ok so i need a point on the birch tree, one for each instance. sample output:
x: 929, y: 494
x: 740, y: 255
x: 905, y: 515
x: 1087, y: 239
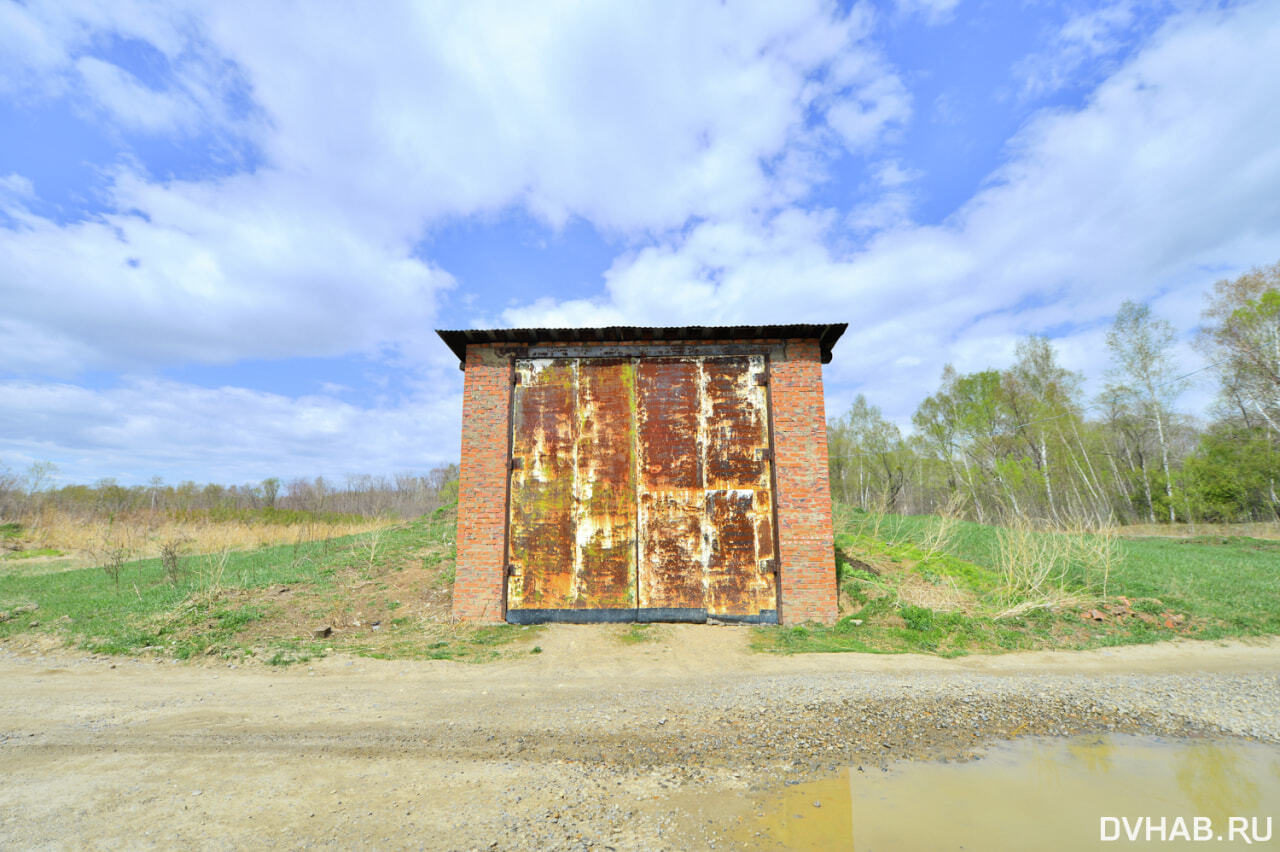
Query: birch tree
x: 1143, y: 374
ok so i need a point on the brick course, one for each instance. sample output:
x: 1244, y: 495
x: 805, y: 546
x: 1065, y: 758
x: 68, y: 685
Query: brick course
x: 478, y: 591
x: 805, y: 553
x: 806, y: 558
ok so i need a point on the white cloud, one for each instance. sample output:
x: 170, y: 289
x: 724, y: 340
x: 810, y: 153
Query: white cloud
x: 55, y: 50
x: 868, y: 101
x: 210, y: 273
x: 694, y: 131
x: 634, y: 117
x: 1085, y: 37
x: 146, y: 427
x: 1158, y: 177
x: 933, y: 11
x: 14, y: 187
x: 372, y: 129
x: 132, y: 104
x: 891, y: 200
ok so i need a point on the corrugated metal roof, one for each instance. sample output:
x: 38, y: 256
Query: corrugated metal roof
x: 826, y: 335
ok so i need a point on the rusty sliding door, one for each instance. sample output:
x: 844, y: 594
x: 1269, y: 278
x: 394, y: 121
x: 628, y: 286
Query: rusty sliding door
x: 706, y: 537
x: 741, y: 560
x: 671, y: 497
x: 572, y: 522
x: 641, y: 490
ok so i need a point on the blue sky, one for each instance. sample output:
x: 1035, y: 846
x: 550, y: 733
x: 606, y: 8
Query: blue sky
x: 228, y: 230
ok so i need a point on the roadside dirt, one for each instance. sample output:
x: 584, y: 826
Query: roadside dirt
x: 589, y: 744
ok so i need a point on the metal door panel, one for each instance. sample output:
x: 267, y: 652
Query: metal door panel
x: 672, y: 558
x: 668, y: 404
x: 737, y: 427
x: 740, y: 577
x: 736, y: 583
x: 541, y: 525
x: 671, y: 495
x: 604, y: 486
x: 641, y: 489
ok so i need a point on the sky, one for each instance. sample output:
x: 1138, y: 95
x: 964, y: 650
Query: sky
x: 228, y: 230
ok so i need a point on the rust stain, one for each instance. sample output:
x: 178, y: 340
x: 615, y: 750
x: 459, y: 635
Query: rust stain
x: 669, y: 408
x: 643, y: 484
x: 735, y: 424
x: 604, y: 486
x: 670, y: 461
x: 732, y: 573
x: 739, y: 504
x: 672, y: 561
x: 542, y: 522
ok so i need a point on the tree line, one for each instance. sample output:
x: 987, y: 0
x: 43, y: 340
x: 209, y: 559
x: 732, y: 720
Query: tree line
x: 405, y: 495
x: 1024, y: 442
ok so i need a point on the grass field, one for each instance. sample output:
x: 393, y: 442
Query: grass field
x: 919, y: 584
x: 901, y: 590
x: 78, y: 542
x: 382, y: 593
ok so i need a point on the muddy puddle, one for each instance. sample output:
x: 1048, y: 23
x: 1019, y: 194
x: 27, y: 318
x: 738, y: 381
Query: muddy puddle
x: 1101, y: 792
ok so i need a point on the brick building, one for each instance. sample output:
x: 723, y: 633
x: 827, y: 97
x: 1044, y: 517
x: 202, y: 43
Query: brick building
x: 644, y: 474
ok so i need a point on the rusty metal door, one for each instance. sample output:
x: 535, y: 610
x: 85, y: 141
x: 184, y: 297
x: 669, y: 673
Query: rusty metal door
x: 641, y: 490
x: 571, y: 527
x: 706, y: 502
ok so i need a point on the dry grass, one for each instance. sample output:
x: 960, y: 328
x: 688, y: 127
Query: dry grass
x: 941, y: 527
x: 1050, y: 569
x: 147, y: 535
x: 1265, y: 530
x: 940, y: 596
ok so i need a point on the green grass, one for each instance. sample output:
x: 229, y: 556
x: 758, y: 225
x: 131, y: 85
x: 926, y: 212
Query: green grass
x: 30, y: 554
x: 636, y: 634
x: 263, y: 603
x: 1221, y: 586
x: 251, y: 603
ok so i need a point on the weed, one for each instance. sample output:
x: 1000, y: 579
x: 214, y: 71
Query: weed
x: 113, y: 562
x: 213, y: 567
x: 634, y: 634
x: 998, y: 589
x: 1033, y: 568
x: 171, y: 559
x: 204, y: 532
x: 917, y: 617
x: 369, y: 548
x: 940, y: 529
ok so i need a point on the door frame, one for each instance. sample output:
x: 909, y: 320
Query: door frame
x: 636, y: 353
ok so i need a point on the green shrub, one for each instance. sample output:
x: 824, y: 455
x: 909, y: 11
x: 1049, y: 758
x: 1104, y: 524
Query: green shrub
x: 917, y: 618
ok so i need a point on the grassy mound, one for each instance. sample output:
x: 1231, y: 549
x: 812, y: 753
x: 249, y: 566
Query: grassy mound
x: 382, y: 593
x: 930, y: 585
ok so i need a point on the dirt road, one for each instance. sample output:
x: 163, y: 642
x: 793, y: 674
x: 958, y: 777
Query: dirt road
x: 589, y: 744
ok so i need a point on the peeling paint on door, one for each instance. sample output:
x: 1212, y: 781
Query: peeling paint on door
x: 641, y: 488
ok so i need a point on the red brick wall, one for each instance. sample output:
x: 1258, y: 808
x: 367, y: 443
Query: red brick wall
x: 806, y: 558
x: 482, y: 487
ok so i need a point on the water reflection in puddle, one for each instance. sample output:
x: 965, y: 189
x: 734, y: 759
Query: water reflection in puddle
x: 1030, y: 794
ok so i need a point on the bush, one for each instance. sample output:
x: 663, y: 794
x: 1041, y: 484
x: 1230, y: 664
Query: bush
x: 918, y: 618
x: 171, y: 560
